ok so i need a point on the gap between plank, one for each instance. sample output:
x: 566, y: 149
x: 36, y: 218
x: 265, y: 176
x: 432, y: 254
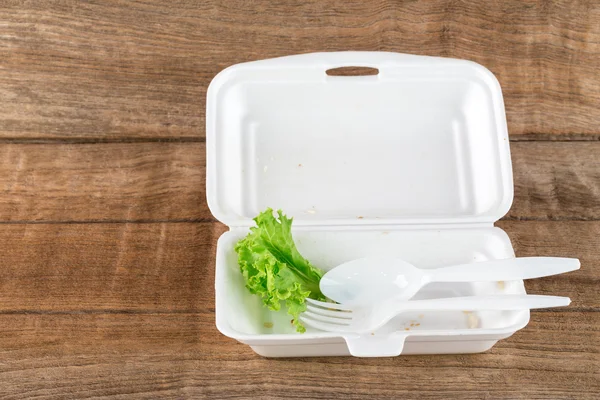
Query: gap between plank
x: 212, y: 310
x: 213, y: 220
x: 102, y: 312
x: 549, y: 218
x: 528, y: 137
x: 548, y: 137
x: 101, y: 140
x: 115, y: 221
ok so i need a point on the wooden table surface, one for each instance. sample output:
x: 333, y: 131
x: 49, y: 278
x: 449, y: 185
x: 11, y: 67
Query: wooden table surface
x: 107, y: 245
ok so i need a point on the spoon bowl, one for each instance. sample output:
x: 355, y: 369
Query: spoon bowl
x: 371, y: 280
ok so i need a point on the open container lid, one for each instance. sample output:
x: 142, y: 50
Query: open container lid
x: 422, y: 142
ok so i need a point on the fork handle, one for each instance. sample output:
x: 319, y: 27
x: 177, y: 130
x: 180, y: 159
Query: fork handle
x: 492, y: 302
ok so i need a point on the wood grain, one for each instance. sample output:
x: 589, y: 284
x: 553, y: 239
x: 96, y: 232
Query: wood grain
x: 169, y: 267
x: 107, y: 245
x: 165, y: 267
x: 183, y: 356
x: 165, y: 181
x: 103, y: 182
x: 117, y: 69
x: 556, y: 180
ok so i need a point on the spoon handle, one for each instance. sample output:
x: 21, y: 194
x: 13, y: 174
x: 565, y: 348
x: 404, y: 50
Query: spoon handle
x: 492, y: 302
x: 511, y: 269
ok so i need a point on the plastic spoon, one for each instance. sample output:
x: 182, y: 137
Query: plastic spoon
x: 371, y: 280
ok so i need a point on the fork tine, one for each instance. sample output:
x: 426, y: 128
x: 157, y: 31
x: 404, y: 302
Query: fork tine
x: 329, y: 313
x: 329, y: 320
x: 324, y: 326
x: 324, y: 304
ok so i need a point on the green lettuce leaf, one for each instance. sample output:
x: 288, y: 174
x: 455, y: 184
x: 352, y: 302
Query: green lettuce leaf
x: 274, y: 269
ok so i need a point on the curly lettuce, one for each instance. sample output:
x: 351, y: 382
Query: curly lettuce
x: 274, y: 269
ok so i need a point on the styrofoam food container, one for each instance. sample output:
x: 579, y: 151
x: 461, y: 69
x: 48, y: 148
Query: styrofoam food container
x: 413, y: 162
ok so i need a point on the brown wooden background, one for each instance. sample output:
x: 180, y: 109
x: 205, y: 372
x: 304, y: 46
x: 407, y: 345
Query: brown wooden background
x: 107, y: 245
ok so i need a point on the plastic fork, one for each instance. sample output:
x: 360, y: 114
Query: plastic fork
x: 333, y: 317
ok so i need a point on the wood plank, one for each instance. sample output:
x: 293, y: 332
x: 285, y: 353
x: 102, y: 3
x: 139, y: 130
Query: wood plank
x: 183, y: 356
x: 100, y: 182
x: 556, y: 180
x: 169, y: 267
x: 165, y: 267
x: 141, y: 69
x: 166, y: 181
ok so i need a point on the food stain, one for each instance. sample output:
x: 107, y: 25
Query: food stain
x: 472, y: 321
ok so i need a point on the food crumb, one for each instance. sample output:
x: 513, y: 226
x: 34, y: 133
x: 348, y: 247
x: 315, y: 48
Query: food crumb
x: 265, y: 168
x: 299, y: 165
x: 385, y: 233
x: 421, y: 316
x: 412, y: 324
x: 417, y: 324
x: 372, y: 333
x: 500, y: 285
x: 472, y: 321
x: 407, y: 329
x: 268, y: 324
x: 360, y: 217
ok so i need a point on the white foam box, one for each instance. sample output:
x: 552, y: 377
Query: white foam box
x: 412, y: 162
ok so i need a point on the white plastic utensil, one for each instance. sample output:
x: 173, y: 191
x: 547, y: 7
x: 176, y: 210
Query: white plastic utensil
x: 341, y: 318
x: 372, y: 280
